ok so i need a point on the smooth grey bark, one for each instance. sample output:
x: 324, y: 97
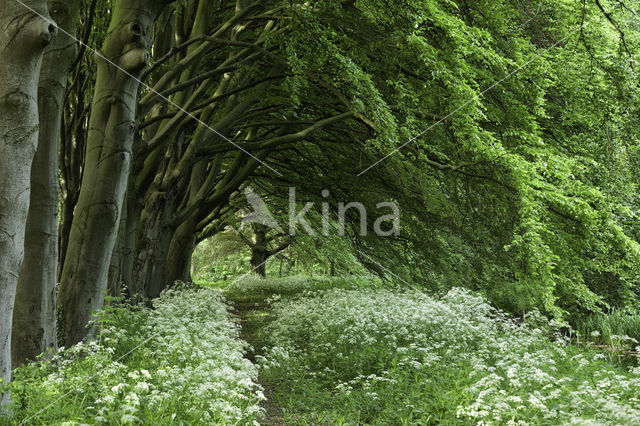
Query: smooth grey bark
x: 34, y: 316
x: 23, y: 36
x: 109, y: 149
x: 114, y: 281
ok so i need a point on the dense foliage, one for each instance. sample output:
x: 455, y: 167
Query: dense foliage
x: 512, y: 130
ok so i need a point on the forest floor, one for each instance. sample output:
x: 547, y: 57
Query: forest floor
x: 325, y: 351
x: 254, y: 313
x: 345, y: 351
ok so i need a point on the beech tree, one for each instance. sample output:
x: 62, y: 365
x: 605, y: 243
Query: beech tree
x: 109, y: 148
x: 34, y: 317
x: 187, y: 169
x: 26, y: 31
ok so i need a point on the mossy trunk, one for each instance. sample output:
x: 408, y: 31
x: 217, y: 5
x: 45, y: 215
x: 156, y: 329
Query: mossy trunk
x: 25, y: 30
x: 109, y: 149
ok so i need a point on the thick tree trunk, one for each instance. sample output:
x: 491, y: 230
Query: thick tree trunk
x: 259, y: 252
x: 134, y: 208
x: 109, y: 147
x: 23, y: 35
x: 152, y: 271
x: 34, y: 316
x: 114, y: 280
x: 178, y: 267
x: 259, y: 261
x: 152, y: 246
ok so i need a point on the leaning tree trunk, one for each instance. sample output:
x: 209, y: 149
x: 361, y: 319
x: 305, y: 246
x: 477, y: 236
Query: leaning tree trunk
x: 34, y: 315
x: 25, y: 29
x: 109, y: 149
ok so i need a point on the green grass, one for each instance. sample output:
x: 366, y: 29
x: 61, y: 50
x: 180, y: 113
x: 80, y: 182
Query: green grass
x: 252, y: 286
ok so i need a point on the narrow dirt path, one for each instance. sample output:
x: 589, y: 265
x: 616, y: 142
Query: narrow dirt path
x: 253, y: 315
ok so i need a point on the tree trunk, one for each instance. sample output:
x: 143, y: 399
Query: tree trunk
x: 68, y: 204
x: 259, y: 251
x: 34, y: 316
x: 134, y: 208
x: 114, y: 280
x: 259, y: 262
x: 152, y: 245
x: 155, y: 284
x: 178, y: 266
x: 23, y: 35
x: 71, y: 158
x: 109, y: 147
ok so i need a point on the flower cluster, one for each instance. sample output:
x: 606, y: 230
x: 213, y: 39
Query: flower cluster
x: 388, y: 356
x: 179, y: 362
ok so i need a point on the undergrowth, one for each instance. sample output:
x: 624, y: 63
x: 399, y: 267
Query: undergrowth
x: 255, y: 286
x: 370, y: 356
x: 618, y: 328
x: 179, y: 363
x: 330, y: 351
